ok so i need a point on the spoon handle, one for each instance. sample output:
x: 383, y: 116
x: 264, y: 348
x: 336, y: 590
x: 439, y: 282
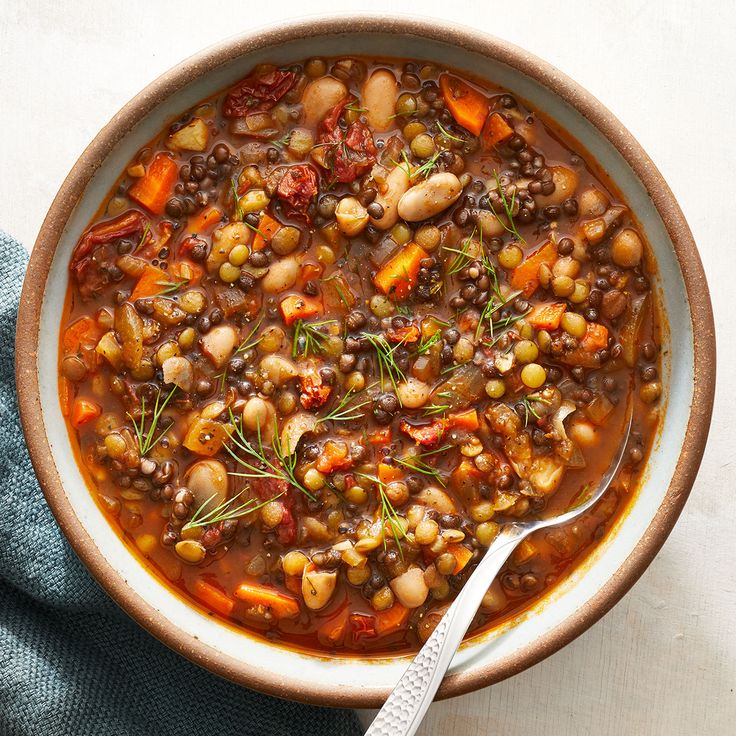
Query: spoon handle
x: 403, y: 711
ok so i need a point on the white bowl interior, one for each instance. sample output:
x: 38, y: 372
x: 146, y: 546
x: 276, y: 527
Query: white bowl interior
x: 568, y: 597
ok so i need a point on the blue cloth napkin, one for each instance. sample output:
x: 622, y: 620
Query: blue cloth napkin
x: 71, y: 661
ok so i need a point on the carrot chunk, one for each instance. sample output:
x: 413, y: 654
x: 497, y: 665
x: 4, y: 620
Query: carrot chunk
x: 595, y: 338
x: 496, y: 131
x: 279, y: 604
x: 84, y: 411
x: 525, y: 277
x: 392, y: 619
x: 202, y: 221
x: 153, y: 281
x: 213, y: 597
x: 388, y: 473
x: 467, y: 420
x: 547, y: 316
x: 468, y: 106
x: 299, y: 307
x: 334, y: 456
x: 267, y: 228
x: 153, y: 190
x: 398, y: 276
x: 462, y: 556
x: 80, y: 333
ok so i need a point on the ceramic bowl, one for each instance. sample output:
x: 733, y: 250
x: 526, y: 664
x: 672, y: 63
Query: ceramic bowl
x: 596, y: 585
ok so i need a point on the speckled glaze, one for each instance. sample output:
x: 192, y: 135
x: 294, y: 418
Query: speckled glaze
x: 595, y: 586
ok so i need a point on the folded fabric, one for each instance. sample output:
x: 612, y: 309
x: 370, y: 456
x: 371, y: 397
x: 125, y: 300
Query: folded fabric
x: 71, y: 661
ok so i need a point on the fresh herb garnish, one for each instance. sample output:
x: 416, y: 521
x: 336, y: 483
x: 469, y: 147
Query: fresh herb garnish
x: 462, y: 255
x: 147, y: 438
x: 249, y: 342
x: 238, y: 209
x: 433, y: 408
x: 344, y: 411
x: 386, y: 359
x: 447, y: 133
x: 390, y: 519
x: 352, y: 108
x: 146, y: 230
x: 508, y: 208
x: 498, y: 328
x: 526, y: 402
x: 419, y: 464
x: 425, y: 345
x: 225, y: 511
x: 283, y: 141
x: 171, y: 287
x: 260, y: 465
x: 308, y: 338
x: 426, y: 168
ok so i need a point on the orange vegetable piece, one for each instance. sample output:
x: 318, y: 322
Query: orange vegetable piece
x: 547, y: 316
x: 334, y: 456
x: 154, y: 188
x: 205, y: 219
x: 468, y: 106
x: 461, y: 554
x: 81, y: 331
x: 279, y: 604
x: 299, y: 307
x: 84, y: 411
x: 380, y: 436
x: 496, y: 131
x: 332, y: 631
x: 595, y: 338
x: 185, y: 271
x: 213, y: 597
x: 388, y: 473
x: 65, y: 395
x: 392, y: 619
x: 467, y: 420
x: 267, y: 228
x: 153, y: 281
x: 525, y: 277
x: 398, y: 276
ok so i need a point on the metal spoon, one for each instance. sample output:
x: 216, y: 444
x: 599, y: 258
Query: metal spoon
x: 405, y: 708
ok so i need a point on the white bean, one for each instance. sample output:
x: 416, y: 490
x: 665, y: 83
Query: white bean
x: 179, y: 371
x: 278, y: 369
x: 224, y: 239
x: 351, y: 216
x: 413, y: 393
x: 436, y: 499
x: 397, y: 182
x: 318, y: 587
x: 281, y: 276
x: 410, y: 588
x: 207, y: 479
x: 379, y: 99
x: 320, y: 96
x: 258, y: 414
x: 429, y: 197
x: 218, y: 344
x: 566, y: 181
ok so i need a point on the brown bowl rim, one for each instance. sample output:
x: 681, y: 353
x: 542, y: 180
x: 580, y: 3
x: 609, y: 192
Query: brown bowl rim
x: 447, y: 33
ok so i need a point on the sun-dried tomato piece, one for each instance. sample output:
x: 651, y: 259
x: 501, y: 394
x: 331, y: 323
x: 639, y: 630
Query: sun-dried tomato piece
x: 314, y: 392
x: 296, y: 189
x: 91, y: 264
x: 408, y: 334
x: 257, y: 93
x: 428, y: 435
x: 347, y: 153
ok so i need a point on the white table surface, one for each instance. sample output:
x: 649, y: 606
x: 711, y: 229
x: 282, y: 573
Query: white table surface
x: 662, y: 662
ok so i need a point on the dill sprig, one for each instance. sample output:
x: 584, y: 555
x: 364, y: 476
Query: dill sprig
x: 283, y: 141
x: 260, y: 464
x: 345, y: 411
x: 146, y: 230
x: 526, y: 402
x: 171, y: 287
x: 225, y: 511
x: 249, y: 342
x: 238, y: 209
x: 352, y: 108
x: 508, y: 208
x: 147, y: 438
x: 446, y: 133
x: 390, y: 518
x: 424, y: 346
x: 462, y: 255
x: 434, y: 408
x: 309, y: 337
x: 498, y: 328
x: 424, y: 169
x: 419, y: 464
x: 386, y: 359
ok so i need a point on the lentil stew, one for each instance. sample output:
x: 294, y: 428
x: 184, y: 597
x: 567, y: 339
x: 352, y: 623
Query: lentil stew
x: 336, y: 325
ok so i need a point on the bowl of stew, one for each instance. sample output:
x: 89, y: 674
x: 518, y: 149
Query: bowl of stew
x: 319, y: 311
